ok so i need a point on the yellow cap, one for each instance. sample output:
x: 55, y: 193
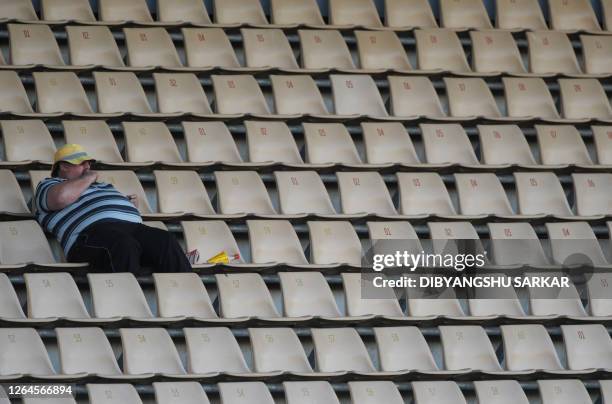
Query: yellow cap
x: 71, y: 153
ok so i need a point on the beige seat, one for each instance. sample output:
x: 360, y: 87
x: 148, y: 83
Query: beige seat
x: 362, y: 299
x: 403, y: 348
x: 470, y: 97
x: 446, y: 234
x: 297, y: 95
x: 356, y: 95
x: 602, y: 136
x: 551, y: 52
x: 117, y: 295
x: 467, y: 347
x: 191, y: 11
x: 13, y: 98
x: 563, y: 392
x: 149, y: 141
x: 482, y: 194
x: 17, y: 10
x: 150, y: 47
x: 353, y: 12
x: 519, y: 15
x: 495, y: 51
x: 307, y: 294
x: 149, y: 350
x: 587, y: 346
x: 278, y: 349
x: 340, y: 349
x: 95, y: 137
x: 302, y: 192
x: 500, y: 392
x: 529, y: 347
x: 584, y: 98
x: 58, y: 10
x: 516, y: 244
x: 414, y: 96
x: 440, y: 49
x: 388, y: 142
x: 10, y: 308
x: 597, y: 54
x: 180, y: 92
x: 381, y: 50
x: 364, y: 192
x: 561, y: 144
x: 271, y: 141
x: 36, y: 176
x: 301, y: 392
x: 252, y: 392
x: 540, y: 193
x: 574, y: 243
x: 93, y: 45
x: 182, y: 294
x: 437, y: 392
x: 555, y: 301
x: 118, y: 10
x: 324, y: 49
x: 28, y: 140
x: 33, y: 44
x: 12, y: 201
x: 529, y: 97
x: 23, y: 353
x: 572, y: 15
x: 329, y: 143
x: 241, y: 192
x: 208, y: 47
x: 395, y: 234
x: 423, y: 194
x: 504, y: 144
x: 210, y: 238
x: 238, y: 94
x: 464, y: 14
x: 590, y: 192
x: 409, y: 13
x: 606, y: 14
x: 239, y: 12
x: 447, y: 143
x: 213, y: 350
x: 120, y: 92
x: 275, y: 241
x: 181, y: 192
x: 99, y: 393
x: 209, y: 142
x: 597, y: 290
x: 53, y: 295
x: 86, y: 350
x: 60, y: 92
x: 244, y: 295
x: 288, y: 12
x: 189, y: 392
x: 128, y: 183
x: 372, y: 392
x: 267, y: 48
x: 334, y: 243
x: 496, y: 302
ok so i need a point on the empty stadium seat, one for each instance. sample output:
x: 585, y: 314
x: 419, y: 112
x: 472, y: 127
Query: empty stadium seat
x: 470, y: 97
x: 271, y: 141
x: 324, y: 49
x: 297, y: 95
x: 182, y: 295
x: 302, y: 192
x: 381, y: 50
x: 60, y: 92
x: 414, y: 96
x: 403, y: 348
x: 357, y: 95
x: 93, y: 45
x: 54, y: 295
x: 597, y: 287
x: 23, y: 352
x: 495, y: 51
x: 495, y: 302
x: 440, y: 49
x: 334, y: 243
x: 181, y: 192
x: 15, y: 251
x: 528, y: 347
x: 561, y: 144
x: 467, y: 346
x: 482, y: 194
x: 33, y: 44
x: 187, y: 392
x: 58, y: 10
x: 307, y: 294
x: 504, y: 144
x: 120, y: 92
x: 12, y: 201
x: 563, y: 392
x: 149, y: 142
x: 10, y: 308
x: 540, y: 193
x: 208, y: 47
x: 372, y: 392
x: 118, y: 11
x: 591, y: 192
x: 213, y: 350
x: 191, y: 11
x: 364, y: 193
x: 278, y: 349
x: 555, y: 301
x: 409, y: 13
x: 102, y: 393
x: 238, y: 94
x: 149, y: 350
x: 275, y: 241
x: 329, y: 143
x: 237, y: 393
x: 86, y: 350
x: 388, y: 142
x: 117, y: 295
x: 519, y: 15
x: 464, y: 14
x: 18, y: 10
x: 606, y: 14
x: 267, y: 48
x: 244, y: 295
x: 393, y: 230
x: 95, y: 137
x: 437, y: 392
x: 572, y: 15
x: 362, y: 299
x: 300, y: 12
x: 240, y: 192
x: 340, y: 349
x: 551, y: 52
x: 500, y: 392
x: 353, y: 12
x: 423, y: 194
x: 587, y: 346
x: 529, y: 97
x: 584, y: 98
x: 515, y: 244
x: 574, y: 243
x: 302, y: 392
x: 239, y: 12
x: 447, y: 144
x: 210, y: 238
x: 596, y: 51
x: 150, y: 47
x: 14, y: 97
x: 602, y: 137
x: 209, y: 142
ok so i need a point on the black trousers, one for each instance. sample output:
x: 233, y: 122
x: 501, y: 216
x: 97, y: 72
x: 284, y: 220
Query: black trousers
x: 119, y: 246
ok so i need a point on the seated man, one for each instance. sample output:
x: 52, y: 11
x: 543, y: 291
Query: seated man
x: 95, y: 223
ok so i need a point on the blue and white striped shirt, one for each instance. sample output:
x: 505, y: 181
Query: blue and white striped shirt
x: 101, y: 201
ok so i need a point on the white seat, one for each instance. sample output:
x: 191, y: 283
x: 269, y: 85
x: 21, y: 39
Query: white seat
x: 356, y: 95
x: 587, y: 346
x: 23, y: 352
x: 60, y: 92
x: 9, y: 302
x: 361, y: 299
x: 86, y: 350
x: 208, y: 47
x: 103, y: 393
x: 572, y: 15
x: 590, y: 192
x: 182, y: 294
x: 409, y: 13
x: 302, y: 192
x: 464, y: 14
x: 192, y: 11
x: 275, y: 241
x: 584, y: 98
x: 500, y: 392
x: 445, y: 392
x: 186, y: 392
x: 213, y: 350
x: 268, y: 48
x: 551, y: 52
x: 388, y: 142
x: 470, y: 97
x: 440, y: 49
x: 334, y: 243
x: 244, y: 295
x: 414, y: 96
x: 120, y: 92
x: 180, y: 92
x: 54, y: 295
x: 563, y: 392
x: 33, y: 44
x: 403, y: 348
x: 519, y: 15
x: 540, y: 193
x: 238, y: 94
x: 467, y: 347
x: 495, y: 51
x: 240, y: 192
x: 239, y: 12
x: 423, y: 193
x: 561, y: 144
x: 529, y: 97
x: 209, y: 142
x: 210, y: 238
x: 364, y: 192
x: 354, y: 12
x: 296, y: 12
x: 529, y: 347
x: 504, y: 144
x: 93, y: 45
x: 340, y: 349
x: 308, y: 392
x: 574, y: 243
x: 278, y: 349
x: 150, y: 47
x: 372, y: 392
x: 447, y: 143
x: 324, y: 49
x: 482, y: 194
x: 515, y: 244
x: 117, y: 295
x: 271, y: 141
x: 602, y: 136
x: 117, y: 10
x: 149, y: 350
x: 251, y: 392
x: 297, y: 94
x: 329, y: 143
x: 307, y: 294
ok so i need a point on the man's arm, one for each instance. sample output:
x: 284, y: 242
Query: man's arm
x: 61, y: 195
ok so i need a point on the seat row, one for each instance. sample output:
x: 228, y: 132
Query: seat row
x: 86, y: 352
x: 437, y: 50
x: 354, y: 96
x: 388, y: 145
x: 560, y: 391
x: 307, y: 298
x: 399, y: 14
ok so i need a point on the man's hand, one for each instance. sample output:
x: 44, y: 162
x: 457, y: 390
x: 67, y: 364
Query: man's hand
x: 62, y: 195
x: 134, y: 199
x: 90, y: 175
